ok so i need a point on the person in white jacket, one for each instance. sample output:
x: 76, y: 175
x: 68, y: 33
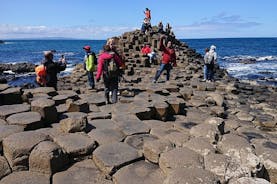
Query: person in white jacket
x: 212, y: 59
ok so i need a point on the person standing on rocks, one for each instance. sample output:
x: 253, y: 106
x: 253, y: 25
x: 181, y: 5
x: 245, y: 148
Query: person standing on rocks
x: 108, y: 65
x: 212, y: 59
x: 147, y: 14
x: 168, y: 59
x: 90, y: 62
x: 52, y: 69
x: 111, y: 43
x: 206, y: 63
x: 161, y: 27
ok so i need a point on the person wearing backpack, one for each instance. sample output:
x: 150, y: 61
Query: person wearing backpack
x: 212, y: 59
x: 52, y: 69
x: 90, y: 62
x: 168, y: 59
x: 108, y: 66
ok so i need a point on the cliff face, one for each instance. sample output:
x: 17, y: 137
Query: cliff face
x: 177, y: 131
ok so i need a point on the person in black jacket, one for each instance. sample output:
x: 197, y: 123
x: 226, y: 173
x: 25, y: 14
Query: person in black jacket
x: 53, y: 68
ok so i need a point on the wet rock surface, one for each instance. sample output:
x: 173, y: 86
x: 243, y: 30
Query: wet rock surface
x: 182, y: 130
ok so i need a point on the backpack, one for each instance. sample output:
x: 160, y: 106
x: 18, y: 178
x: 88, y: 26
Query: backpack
x: 91, y: 62
x: 41, y: 74
x: 111, y: 69
x: 210, y: 59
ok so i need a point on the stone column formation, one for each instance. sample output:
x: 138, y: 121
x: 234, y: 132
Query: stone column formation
x: 177, y: 131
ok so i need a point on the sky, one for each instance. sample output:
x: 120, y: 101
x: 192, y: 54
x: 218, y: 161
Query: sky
x: 101, y: 19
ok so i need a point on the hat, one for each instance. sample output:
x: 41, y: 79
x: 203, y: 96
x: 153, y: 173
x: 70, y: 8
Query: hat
x: 87, y: 47
x: 47, y: 53
x: 213, y: 47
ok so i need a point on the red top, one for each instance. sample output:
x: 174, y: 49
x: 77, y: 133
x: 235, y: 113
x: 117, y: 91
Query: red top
x: 147, y: 14
x: 146, y: 50
x: 168, y: 54
x: 104, y: 56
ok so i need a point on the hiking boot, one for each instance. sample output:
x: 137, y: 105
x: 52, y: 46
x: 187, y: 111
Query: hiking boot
x: 154, y: 81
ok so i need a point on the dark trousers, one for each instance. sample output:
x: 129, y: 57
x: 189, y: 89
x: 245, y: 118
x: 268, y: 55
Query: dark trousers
x: 91, y: 79
x: 111, y: 86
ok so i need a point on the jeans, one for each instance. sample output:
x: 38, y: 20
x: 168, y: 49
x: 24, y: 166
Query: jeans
x: 205, y: 70
x: 151, y: 56
x: 111, y: 86
x: 91, y: 79
x: 163, y: 67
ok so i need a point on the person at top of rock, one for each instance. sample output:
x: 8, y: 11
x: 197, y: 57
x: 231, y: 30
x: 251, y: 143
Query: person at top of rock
x: 52, y: 68
x: 160, y: 27
x: 147, y: 14
x: 146, y: 26
x: 168, y: 59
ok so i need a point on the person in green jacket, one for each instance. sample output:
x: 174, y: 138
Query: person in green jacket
x: 90, y: 62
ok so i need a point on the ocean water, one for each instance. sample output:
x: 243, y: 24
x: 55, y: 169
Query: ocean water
x: 244, y: 58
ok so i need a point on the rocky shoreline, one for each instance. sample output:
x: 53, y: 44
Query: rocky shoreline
x: 180, y: 131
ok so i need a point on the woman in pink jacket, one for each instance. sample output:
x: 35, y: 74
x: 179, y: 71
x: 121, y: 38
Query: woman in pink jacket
x: 108, y: 66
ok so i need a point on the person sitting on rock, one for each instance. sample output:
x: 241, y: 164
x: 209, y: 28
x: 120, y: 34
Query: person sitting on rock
x: 168, y: 59
x: 160, y: 27
x: 146, y: 50
x: 108, y: 65
x: 52, y: 69
x: 146, y: 26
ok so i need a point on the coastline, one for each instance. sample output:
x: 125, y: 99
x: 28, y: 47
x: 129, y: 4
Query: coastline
x: 175, y: 129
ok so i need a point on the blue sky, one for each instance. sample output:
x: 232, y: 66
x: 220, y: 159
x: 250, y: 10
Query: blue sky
x: 97, y: 19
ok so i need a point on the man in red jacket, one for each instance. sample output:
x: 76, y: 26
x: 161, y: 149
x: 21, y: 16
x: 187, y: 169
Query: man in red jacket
x: 146, y: 50
x: 108, y: 65
x: 168, y: 59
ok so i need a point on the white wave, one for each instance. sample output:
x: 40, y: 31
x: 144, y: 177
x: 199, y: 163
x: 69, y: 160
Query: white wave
x: 250, y: 58
x: 10, y: 72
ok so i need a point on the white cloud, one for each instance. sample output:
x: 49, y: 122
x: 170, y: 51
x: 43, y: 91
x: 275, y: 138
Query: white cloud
x: 82, y: 32
x: 221, y: 25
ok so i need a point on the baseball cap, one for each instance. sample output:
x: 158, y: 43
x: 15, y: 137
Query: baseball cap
x: 87, y: 47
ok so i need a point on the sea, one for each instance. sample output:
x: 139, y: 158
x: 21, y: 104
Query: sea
x: 253, y: 59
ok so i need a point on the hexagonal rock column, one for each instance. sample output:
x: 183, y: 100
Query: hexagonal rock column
x: 4, y: 167
x: 46, y: 108
x: 76, y: 144
x: 139, y: 172
x: 137, y: 141
x: 75, y: 122
x: 84, y: 172
x: 26, y: 177
x: 240, y: 150
x: 7, y: 110
x: 29, y: 120
x: 248, y: 180
x: 162, y: 109
x: 47, y: 158
x: 60, y: 99
x: 78, y: 106
x: 106, y: 136
x: 266, y: 150
x: 43, y: 90
x: 191, y: 176
x: 208, y: 131
x: 180, y: 158
x: 111, y: 157
x: 177, y: 105
x: 6, y: 130
x: 153, y: 149
x: 11, y: 96
x: 200, y: 145
x: 17, y: 148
